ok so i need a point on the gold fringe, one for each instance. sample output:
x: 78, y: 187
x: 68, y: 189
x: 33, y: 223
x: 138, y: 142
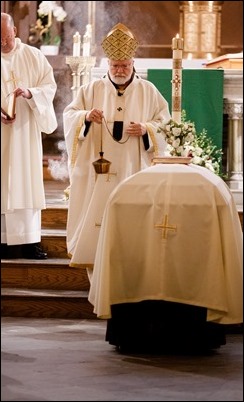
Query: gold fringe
x: 153, y: 138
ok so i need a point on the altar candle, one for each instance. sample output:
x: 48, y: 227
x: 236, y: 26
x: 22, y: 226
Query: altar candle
x: 76, y: 44
x: 177, y: 46
x: 87, y: 41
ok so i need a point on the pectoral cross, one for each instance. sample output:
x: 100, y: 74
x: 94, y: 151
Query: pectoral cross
x: 13, y: 79
x: 165, y: 226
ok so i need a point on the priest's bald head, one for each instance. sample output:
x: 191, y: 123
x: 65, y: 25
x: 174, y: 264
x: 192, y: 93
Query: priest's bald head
x: 120, y: 47
x: 8, y: 33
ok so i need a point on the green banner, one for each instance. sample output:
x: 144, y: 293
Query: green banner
x: 202, y: 97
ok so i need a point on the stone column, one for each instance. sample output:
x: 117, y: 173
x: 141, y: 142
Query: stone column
x: 234, y: 110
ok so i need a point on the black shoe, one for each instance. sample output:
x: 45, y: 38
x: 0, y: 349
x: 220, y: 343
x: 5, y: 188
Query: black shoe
x: 11, y: 252
x: 33, y: 251
x: 4, y: 251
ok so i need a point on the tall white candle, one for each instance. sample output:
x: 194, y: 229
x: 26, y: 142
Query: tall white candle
x: 76, y: 44
x: 89, y: 12
x: 87, y: 41
x: 177, y: 46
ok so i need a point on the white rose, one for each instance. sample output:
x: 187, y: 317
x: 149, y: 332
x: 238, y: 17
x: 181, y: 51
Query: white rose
x: 176, y: 143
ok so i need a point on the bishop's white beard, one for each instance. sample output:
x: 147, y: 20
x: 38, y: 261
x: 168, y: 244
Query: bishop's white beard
x: 118, y: 80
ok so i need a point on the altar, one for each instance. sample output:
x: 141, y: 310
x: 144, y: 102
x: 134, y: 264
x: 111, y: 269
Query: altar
x: 229, y: 138
x: 232, y: 113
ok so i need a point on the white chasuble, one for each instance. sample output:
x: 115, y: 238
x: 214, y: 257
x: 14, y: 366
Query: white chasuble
x: 87, y: 236
x: 140, y: 102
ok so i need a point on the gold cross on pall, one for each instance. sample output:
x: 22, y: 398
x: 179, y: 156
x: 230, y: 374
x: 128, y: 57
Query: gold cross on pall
x: 165, y: 226
x: 13, y: 79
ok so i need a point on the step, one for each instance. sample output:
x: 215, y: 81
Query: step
x: 55, y: 216
x: 54, y: 274
x: 46, y: 303
x: 53, y: 242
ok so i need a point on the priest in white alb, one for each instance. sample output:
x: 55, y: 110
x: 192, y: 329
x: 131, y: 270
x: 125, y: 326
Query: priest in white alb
x: 28, y: 86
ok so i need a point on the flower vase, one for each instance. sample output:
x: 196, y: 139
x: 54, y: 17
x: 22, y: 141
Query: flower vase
x: 50, y: 50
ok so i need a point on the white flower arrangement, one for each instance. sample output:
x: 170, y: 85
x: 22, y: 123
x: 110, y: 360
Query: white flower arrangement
x: 183, y: 140
x: 48, y: 30
x: 205, y: 153
x: 178, y: 137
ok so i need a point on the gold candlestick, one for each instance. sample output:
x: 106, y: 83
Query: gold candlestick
x: 177, y: 47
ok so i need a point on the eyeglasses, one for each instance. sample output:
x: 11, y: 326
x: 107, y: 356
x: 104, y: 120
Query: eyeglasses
x: 122, y: 66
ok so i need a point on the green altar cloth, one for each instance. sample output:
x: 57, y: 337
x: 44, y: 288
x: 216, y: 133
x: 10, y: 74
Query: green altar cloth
x: 202, y: 97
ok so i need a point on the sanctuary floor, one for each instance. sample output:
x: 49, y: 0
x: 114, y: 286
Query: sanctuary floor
x: 69, y: 360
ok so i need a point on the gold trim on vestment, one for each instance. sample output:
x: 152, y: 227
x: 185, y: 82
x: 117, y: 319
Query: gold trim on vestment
x: 153, y: 138
x: 75, y: 143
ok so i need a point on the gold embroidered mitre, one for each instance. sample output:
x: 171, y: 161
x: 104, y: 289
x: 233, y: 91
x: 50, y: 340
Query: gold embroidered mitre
x: 120, y: 43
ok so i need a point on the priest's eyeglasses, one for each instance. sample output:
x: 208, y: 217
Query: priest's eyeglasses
x: 122, y: 66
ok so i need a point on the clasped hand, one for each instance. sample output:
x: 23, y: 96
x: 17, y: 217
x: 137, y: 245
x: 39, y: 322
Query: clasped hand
x: 134, y: 129
x: 5, y: 118
x: 94, y: 116
x: 25, y: 93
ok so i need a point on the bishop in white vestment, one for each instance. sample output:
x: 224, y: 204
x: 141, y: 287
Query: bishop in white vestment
x: 126, y: 110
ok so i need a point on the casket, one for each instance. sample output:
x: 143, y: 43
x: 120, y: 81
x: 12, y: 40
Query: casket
x: 170, y: 234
